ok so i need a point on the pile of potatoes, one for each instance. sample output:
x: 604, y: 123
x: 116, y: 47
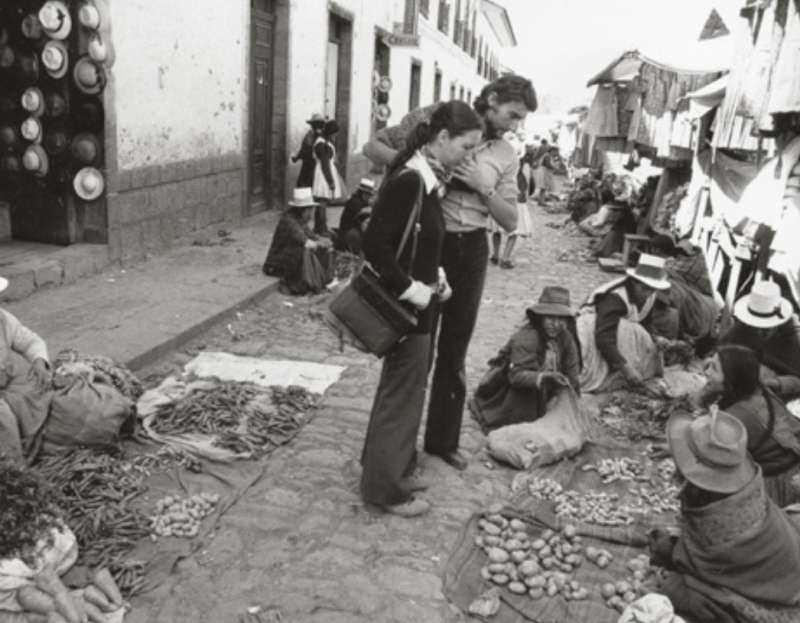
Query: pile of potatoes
x: 536, y: 568
x: 618, y: 595
x: 181, y: 517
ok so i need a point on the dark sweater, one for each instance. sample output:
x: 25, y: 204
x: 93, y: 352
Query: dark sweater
x: 390, y: 215
x: 610, y: 309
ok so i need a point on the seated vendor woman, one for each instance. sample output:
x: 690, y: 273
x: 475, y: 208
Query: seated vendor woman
x: 617, y: 324
x: 24, y: 386
x: 773, y: 433
x: 737, y: 558
x: 297, y: 255
x: 540, y: 358
x: 766, y: 323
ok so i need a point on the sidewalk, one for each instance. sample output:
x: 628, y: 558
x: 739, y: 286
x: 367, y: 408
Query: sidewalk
x: 139, y: 314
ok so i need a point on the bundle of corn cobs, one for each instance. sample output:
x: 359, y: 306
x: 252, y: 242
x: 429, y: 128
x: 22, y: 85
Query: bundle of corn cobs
x: 243, y: 417
x: 106, y: 370
x: 634, y: 416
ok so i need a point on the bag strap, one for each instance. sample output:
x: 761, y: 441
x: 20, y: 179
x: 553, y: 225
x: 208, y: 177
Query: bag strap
x: 412, y: 226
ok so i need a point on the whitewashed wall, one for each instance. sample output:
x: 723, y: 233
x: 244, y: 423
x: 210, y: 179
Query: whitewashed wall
x: 179, y: 94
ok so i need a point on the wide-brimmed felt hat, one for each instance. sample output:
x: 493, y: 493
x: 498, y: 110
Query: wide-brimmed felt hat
x: 36, y: 161
x: 55, y: 19
x: 86, y: 148
x: 55, y: 59
x: 711, y: 451
x: 33, y: 101
x: 316, y: 119
x: 55, y: 104
x: 651, y: 271
x: 89, y: 183
x: 763, y: 307
x: 31, y: 27
x: 302, y: 198
x: 56, y: 140
x: 94, y: 15
x: 367, y: 185
x: 31, y: 130
x: 553, y: 301
x: 101, y: 49
x: 90, y: 78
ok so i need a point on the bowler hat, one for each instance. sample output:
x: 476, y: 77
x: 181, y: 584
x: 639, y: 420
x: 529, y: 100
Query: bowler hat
x: 55, y: 104
x: 316, y: 119
x: 711, y: 450
x: 31, y: 130
x: 302, y: 198
x: 85, y: 148
x: 764, y: 307
x: 36, y: 161
x: 33, y: 101
x: 101, y: 49
x: 90, y: 78
x: 56, y: 140
x: 89, y: 183
x: 55, y: 19
x: 94, y: 15
x: 554, y: 301
x: 651, y: 271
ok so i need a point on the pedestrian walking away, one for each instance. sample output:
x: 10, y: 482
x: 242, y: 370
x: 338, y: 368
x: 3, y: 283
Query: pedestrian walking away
x: 328, y: 184
x: 414, y: 273
x: 305, y: 155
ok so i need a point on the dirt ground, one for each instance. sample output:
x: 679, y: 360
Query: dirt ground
x: 300, y: 542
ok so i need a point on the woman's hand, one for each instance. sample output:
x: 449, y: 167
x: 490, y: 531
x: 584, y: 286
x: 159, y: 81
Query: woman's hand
x: 418, y: 294
x: 311, y: 244
x: 473, y: 176
x: 40, y: 375
x: 554, y: 377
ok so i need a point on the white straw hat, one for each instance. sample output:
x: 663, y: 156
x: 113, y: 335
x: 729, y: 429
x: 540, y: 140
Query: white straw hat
x: 764, y: 307
x: 651, y: 271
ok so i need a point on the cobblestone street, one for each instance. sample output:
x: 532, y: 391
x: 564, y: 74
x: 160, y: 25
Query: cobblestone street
x: 300, y: 540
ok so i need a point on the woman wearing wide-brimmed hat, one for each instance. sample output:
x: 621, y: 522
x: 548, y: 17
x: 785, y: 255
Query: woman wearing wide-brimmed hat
x: 737, y: 558
x: 305, y: 155
x: 616, y: 327
x: 297, y: 255
x: 540, y: 357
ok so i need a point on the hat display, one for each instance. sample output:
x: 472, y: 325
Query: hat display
x: 9, y: 135
x: 55, y: 59
x: 553, y: 301
x: 302, y: 198
x: 33, y: 101
x: 31, y: 27
x: 101, y: 50
x: 316, y: 119
x: 56, y: 141
x: 55, y: 105
x: 85, y: 148
x: 89, y: 76
x: 31, y: 130
x: 36, y: 161
x: 366, y: 184
x: 55, y: 19
x: 651, y: 271
x: 764, y: 307
x: 94, y: 15
x: 89, y: 183
x: 711, y: 450
x: 7, y: 56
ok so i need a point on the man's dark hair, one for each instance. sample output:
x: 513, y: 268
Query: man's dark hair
x: 507, y: 89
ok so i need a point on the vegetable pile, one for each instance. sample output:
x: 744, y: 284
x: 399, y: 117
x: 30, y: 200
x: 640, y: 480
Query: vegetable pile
x: 243, y: 417
x: 182, y: 517
x: 635, y: 417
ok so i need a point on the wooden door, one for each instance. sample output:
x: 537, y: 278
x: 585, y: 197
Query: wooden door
x: 261, y: 53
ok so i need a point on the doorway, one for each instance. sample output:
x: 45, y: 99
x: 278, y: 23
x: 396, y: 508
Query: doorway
x: 338, y: 73
x: 415, y: 88
x: 261, y: 58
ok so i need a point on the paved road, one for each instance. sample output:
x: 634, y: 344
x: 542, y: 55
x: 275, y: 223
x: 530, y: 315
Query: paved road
x: 300, y: 540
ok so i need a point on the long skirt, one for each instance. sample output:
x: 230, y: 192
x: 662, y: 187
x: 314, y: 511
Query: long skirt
x: 390, y: 446
x: 320, y: 188
x: 634, y: 343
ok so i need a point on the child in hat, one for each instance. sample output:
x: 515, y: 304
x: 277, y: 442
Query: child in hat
x: 355, y: 217
x: 297, y: 255
x: 539, y: 359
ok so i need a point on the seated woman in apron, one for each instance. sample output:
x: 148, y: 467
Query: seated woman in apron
x: 540, y: 358
x: 24, y: 389
x: 737, y: 557
x: 616, y: 328
x: 773, y: 433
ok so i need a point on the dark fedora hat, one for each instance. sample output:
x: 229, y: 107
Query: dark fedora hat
x: 55, y: 105
x: 86, y: 148
x: 554, y: 301
x: 56, y: 140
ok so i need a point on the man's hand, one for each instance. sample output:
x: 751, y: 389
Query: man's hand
x: 554, y: 377
x: 444, y: 291
x: 40, y: 375
x: 473, y: 176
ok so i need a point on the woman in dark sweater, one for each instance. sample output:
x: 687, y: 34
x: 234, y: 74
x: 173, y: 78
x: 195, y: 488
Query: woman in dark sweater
x: 418, y: 173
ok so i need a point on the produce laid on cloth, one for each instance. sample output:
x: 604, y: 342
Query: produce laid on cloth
x: 102, y: 368
x: 182, y: 517
x: 242, y: 417
x: 634, y: 417
x: 545, y: 565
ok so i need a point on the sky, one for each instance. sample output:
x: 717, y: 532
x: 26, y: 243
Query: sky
x: 564, y: 43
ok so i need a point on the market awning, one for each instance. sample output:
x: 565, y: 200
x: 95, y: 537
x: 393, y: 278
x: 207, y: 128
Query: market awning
x: 705, y: 99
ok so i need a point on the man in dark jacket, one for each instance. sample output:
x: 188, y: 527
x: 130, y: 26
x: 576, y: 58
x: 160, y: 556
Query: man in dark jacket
x: 306, y: 152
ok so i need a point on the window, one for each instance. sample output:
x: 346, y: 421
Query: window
x: 452, y: 91
x: 469, y: 97
x: 461, y: 94
x: 444, y: 16
x: 425, y: 8
x: 415, y: 85
x: 437, y: 86
x: 480, y: 57
x: 458, y: 30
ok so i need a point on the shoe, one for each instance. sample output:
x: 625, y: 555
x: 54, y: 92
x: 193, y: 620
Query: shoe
x: 415, y: 482
x: 494, y: 260
x: 454, y: 458
x: 413, y: 507
x: 506, y: 264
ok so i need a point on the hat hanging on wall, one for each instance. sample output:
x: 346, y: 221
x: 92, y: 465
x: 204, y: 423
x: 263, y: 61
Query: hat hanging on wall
x: 90, y: 78
x: 55, y: 105
x: 56, y: 141
x: 9, y: 135
x: 86, y: 148
x: 36, y: 161
x: 28, y: 65
x: 31, y: 130
x: 31, y: 27
x: 55, y: 59
x: 55, y: 19
x: 382, y: 112
x: 100, y: 49
x: 94, y: 15
x: 33, y: 101
x: 89, y: 184
x: 7, y: 57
